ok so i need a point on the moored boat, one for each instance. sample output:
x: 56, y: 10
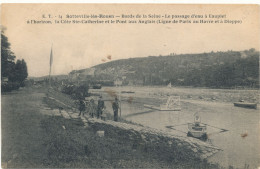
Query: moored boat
x: 127, y: 92
x: 246, y: 105
x: 197, y: 129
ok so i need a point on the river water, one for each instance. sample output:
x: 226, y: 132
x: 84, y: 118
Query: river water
x: 233, y: 129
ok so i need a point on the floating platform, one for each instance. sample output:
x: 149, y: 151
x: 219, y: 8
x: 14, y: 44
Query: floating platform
x: 162, y: 108
x: 246, y: 105
x: 172, y: 104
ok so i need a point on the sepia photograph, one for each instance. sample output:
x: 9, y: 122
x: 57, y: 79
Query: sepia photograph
x: 130, y: 85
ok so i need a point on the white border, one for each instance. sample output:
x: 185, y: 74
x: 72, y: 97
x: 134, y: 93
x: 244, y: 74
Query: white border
x: 139, y: 1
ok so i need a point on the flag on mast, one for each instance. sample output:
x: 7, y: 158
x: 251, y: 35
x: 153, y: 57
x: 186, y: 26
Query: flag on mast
x: 51, y: 57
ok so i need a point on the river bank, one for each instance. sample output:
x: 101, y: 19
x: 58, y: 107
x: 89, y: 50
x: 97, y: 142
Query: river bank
x: 32, y: 137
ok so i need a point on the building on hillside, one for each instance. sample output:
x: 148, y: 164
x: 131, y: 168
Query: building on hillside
x: 118, y: 82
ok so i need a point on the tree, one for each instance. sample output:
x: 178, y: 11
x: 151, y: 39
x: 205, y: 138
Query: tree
x: 15, y: 73
x: 20, y: 71
x: 7, y: 56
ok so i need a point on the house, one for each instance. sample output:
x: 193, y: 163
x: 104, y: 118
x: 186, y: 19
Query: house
x: 118, y: 82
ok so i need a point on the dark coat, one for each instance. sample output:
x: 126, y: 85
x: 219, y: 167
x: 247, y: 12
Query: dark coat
x: 115, y: 105
x: 82, y: 106
x: 101, y: 104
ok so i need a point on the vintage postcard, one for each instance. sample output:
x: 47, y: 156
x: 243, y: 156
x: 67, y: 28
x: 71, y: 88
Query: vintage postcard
x: 130, y: 86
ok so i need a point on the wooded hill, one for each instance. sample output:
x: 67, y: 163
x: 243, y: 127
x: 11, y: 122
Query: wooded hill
x: 216, y: 69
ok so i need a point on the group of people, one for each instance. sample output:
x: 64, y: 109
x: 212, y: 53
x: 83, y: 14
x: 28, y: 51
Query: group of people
x: 91, y: 108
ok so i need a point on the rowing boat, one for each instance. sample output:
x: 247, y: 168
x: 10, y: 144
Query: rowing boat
x: 246, y: 105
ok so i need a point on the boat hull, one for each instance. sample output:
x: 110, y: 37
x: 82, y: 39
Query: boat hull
x: 246, y: 105
x: 197, y: 134
x: 197, y: 131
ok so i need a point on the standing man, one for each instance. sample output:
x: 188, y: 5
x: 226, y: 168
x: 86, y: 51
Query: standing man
x: 115, y: 107
x: 101, y: 107
x: 92, y: 108
x: 82, y: 107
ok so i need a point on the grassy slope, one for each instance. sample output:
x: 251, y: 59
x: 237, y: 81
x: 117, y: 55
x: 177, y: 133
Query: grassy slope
x: 22, y: 136
x: 31, y: 139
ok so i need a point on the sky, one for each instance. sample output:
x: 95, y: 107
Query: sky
x: 79, y: 46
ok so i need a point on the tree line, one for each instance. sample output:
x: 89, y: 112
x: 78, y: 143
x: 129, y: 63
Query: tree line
x: 13, y: 73
x: 228, y: 69
x: 243, y: 72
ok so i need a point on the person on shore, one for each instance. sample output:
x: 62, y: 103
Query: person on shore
x: 92, y: 108
x: 101, y: 107
x: 82, y: 107
x: 197, y: 119
x: 115, y: 107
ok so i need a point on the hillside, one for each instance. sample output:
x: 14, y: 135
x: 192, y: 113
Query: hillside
x: 215, y: 69
x: 58, y: 77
